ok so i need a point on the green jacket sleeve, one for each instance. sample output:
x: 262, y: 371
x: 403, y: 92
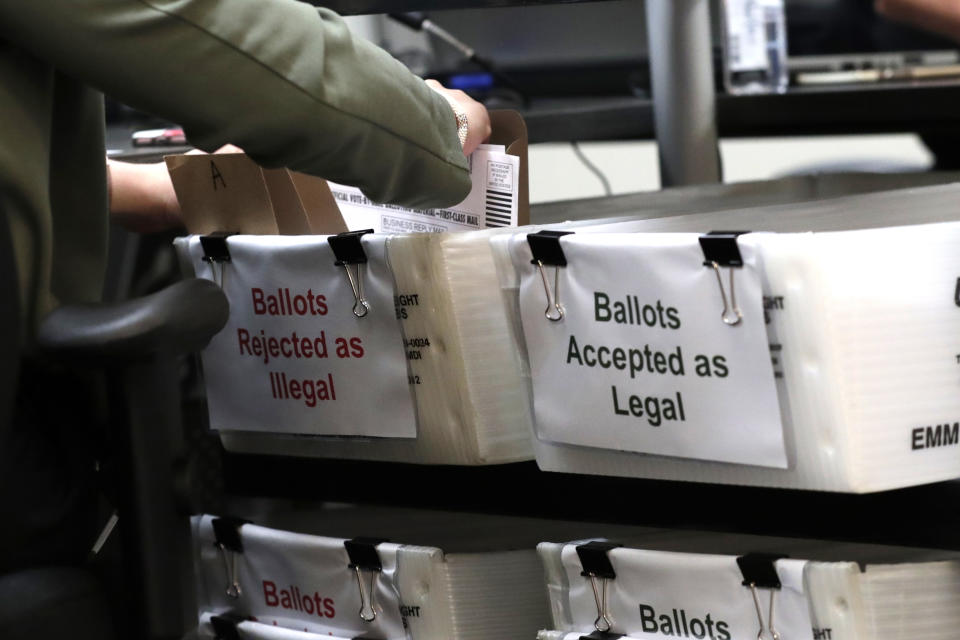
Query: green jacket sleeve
x: 281, y: 79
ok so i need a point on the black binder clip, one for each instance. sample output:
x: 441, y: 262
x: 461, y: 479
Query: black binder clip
x: 216, y: 254
x: 225, y: 627
x: 228, y: 540
x: 596, y: 566
x: 760, y: 572
x: 720, y: 250
x: 546, y: 250
x: 602, y: 635
x: 348, y: 250
x: 364, y: 559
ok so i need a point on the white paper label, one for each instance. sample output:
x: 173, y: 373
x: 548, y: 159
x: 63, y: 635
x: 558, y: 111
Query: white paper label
x: 641, y: 360
x: 492, y: 201
x: 746, y: 34
x: 662, y: 595
x: 301, y: 582
x: 293, y: 358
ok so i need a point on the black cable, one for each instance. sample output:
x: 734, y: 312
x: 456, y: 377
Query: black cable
x: 413, y: 20
x: 592, y: 167
x: 420, y: 22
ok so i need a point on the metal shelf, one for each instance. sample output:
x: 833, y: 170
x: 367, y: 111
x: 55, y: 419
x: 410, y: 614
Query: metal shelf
x: 800, y: 112
x: 917, y: 516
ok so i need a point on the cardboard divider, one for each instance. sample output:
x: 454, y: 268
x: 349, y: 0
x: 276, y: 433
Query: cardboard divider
x: 230, y: 192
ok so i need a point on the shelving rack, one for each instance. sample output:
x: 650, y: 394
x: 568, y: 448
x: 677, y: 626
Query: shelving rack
x: 922, y: 516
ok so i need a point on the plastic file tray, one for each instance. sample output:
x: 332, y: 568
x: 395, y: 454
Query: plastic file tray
x: 870, y: 333
x: 472, y: 402
x: 473, y: 405
x: 854, y: 591
x: 441, y: 596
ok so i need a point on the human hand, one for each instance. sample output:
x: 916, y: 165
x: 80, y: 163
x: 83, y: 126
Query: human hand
x: 142, y: 197
x: 478, y: 120
x: 938, y: 16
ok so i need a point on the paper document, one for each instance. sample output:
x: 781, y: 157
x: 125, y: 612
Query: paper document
x: 492, y: 201
x: 641, y: 360
x: 294, y: 358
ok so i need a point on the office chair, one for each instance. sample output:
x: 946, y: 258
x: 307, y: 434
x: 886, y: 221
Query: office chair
x: 137, y: 343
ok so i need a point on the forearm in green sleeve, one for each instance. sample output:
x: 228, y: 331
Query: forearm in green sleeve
x: 282, y: 80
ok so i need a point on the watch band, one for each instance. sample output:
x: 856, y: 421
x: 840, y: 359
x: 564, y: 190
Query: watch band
x: 463, y: 124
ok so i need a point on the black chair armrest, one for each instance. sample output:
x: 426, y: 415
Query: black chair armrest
x: 179, y: 319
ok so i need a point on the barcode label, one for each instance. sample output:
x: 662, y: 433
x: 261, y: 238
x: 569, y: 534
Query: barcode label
x: 499, y: 209
x: 492, y: 202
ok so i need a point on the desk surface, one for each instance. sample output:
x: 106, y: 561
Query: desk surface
x: 888, y: 108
